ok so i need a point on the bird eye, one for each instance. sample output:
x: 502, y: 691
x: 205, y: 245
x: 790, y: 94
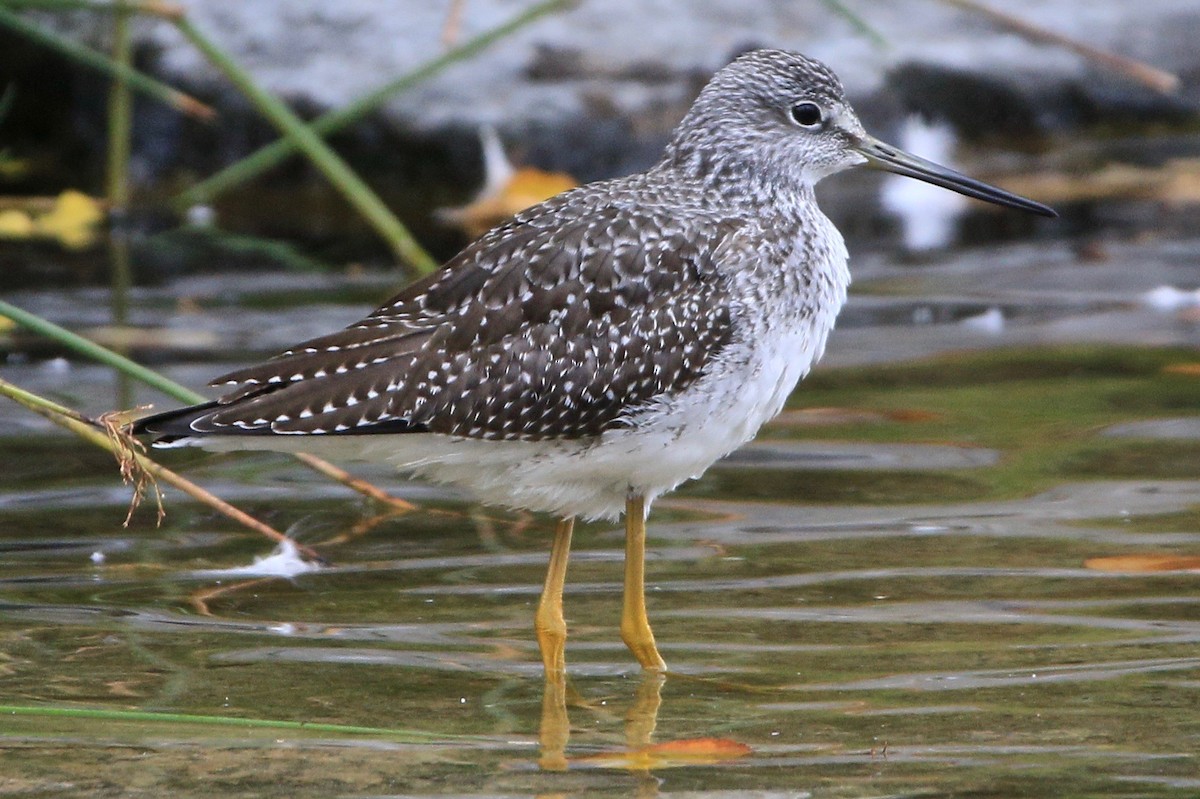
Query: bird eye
x: 807, y: 115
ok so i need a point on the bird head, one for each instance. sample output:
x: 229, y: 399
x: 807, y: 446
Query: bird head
x: 782, y: 117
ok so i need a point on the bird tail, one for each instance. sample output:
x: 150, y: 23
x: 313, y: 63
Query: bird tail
x: 170, y: 426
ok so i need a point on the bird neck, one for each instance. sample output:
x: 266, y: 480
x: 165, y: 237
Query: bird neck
x: 741, y: 181
x: 742, y: 190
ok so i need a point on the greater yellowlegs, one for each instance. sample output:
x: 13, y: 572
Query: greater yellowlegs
x: 605, y: 345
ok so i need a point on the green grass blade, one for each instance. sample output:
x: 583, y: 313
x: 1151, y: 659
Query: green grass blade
x: 47, y: 711
x: 856, y: 21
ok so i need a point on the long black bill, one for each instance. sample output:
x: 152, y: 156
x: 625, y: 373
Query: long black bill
x: 885, y: 157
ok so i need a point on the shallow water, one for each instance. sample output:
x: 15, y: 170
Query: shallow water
x: 962, y: 563
x: 900, y: 590
x: 830, y: 650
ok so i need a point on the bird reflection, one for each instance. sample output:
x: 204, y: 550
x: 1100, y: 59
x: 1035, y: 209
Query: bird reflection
x: 640, y: 722
x: 640, y: 754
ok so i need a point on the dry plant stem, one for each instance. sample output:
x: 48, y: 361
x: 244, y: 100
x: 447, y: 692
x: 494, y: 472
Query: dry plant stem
x: 200, y: 599
x: 362, y: 527
x: 87, y: 430
x: 125, y: 447
x: 453, y: 23
x: 90, y: 58
x: 183, y: 394
x: 358, y: 484
x: 1156, y: 79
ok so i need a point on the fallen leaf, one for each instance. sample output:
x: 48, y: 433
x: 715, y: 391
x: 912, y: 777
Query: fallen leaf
x: 824, y: 417
x: 912, y: 415
x: 72, y: 220
x: 1144, y: 563
x: 506, y: 190
x: 16, y: 224
x: 121, y: 688
x: 672, y: 754
x: 526, y: 187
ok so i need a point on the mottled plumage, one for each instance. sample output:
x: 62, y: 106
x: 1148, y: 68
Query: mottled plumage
x: 541, y: 329
x: 604, y: 345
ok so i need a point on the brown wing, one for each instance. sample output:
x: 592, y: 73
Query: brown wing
x: 556, y: 325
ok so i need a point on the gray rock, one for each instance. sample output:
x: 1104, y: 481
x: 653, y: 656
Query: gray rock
x: 639, y: 60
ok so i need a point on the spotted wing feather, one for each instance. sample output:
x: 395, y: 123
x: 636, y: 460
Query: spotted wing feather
x: 558, y: 325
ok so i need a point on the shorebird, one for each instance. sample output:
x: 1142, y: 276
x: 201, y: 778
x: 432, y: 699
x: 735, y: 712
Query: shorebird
x: 605, y: 345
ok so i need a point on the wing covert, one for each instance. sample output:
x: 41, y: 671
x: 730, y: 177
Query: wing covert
x: 533, y: 332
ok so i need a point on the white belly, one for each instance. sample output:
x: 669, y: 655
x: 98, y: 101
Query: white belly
x: 781, y: 334
x: 670, y: 443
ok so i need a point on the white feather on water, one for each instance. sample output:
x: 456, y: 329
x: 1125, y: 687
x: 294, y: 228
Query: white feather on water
x: 285, y: 561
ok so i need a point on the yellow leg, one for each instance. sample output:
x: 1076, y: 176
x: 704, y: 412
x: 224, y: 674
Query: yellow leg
x: 548, y: 622
x: 635, y: 627
x: 555, y: 728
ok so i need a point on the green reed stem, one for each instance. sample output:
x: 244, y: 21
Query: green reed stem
x: 96, y: 352
x: 90, y: 58
x: 331, y: 165
x: 120, y: 117
x: 120, y: 142
x: 258, y: 162
x: 857, y: 21
x: 151, y: 8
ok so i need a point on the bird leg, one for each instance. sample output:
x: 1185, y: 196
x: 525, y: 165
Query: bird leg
x: 548, y: 621
x: 635, y: 627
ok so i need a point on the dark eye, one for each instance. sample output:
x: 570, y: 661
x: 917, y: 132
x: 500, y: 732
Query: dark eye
x: 807, y: 115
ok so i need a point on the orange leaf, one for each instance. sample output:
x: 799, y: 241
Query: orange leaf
x: 707, y: 748
x: 672, y: 754
x: 526, y: 187
x: 1144, y: 563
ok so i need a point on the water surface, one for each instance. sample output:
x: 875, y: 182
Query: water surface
x: 963, y: 562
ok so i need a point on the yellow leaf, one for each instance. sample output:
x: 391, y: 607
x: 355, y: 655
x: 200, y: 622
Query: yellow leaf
x: 15, y: 225
x: 530, y: 186
x: 72, y: 220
